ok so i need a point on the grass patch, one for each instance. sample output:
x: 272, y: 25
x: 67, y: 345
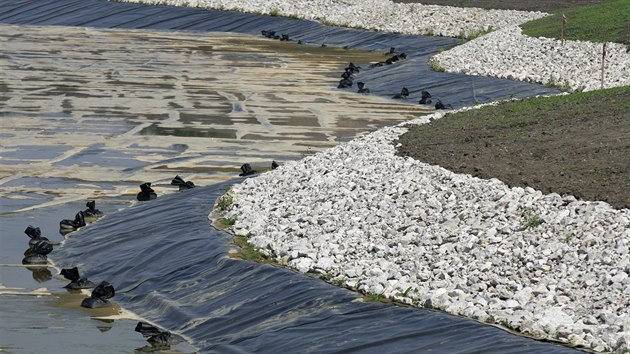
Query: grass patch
x: 531, y: 219
x: 224, y: 223
x: 274, y: 12
x: 225, y: 201
x: 327, y: 22
x: 434, y: 64
x: 376, y: 298
x: 404, y: 293
x: 475, y: 34
x: 575, y: 144
x: 248, y: 251
x: 605, y: 22
x: 559, y: 85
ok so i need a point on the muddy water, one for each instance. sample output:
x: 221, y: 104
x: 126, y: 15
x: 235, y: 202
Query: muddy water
x: 91, y: 113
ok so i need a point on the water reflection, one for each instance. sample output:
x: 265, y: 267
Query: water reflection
x: 40, y: 274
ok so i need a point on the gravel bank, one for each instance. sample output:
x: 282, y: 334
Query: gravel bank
x: 380, y: 15
x: 549, y: 266
x: 507, y: 53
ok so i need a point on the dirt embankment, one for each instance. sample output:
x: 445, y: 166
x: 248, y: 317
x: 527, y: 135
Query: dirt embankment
x: 576, y: 144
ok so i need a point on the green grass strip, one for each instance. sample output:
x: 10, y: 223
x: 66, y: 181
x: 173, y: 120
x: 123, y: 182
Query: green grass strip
x: 605, y: 22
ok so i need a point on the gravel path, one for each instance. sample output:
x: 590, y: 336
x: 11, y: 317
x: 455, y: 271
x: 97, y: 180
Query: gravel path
x: 549, y: 266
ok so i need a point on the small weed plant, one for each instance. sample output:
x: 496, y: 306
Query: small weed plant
x: 225, y: 201
x: 326, y: 22
x: 248, y: 251
x: 531, y: 219
x: 374, y: 297
x: 469, y: 36
x: 274, y: 11
x: 228, y: 221
x: 435, y: 65
x: 404, y: 293
x: 558, y: 84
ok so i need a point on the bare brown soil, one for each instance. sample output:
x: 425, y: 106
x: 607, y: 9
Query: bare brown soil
x: 576, y: 144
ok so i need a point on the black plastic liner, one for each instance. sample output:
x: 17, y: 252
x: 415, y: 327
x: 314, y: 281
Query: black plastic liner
x: 170, y: 266
x: 414, y: 72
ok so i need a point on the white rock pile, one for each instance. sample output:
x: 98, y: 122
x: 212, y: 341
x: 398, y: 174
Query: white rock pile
x: 380, y: 15
x: 507, y: 53
x: 546, y: 265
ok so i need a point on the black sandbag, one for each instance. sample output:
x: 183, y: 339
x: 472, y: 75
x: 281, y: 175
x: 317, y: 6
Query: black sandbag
x: 77, y: 222
x: 146, y: 193
x: 81, y: 283
x: 147, y: 330
x: 71, y: 274
x: 91, y: 211
x: 95, y: 303
x: 42, y: 247
x: 35, y: 234
x: 104, y: 290
x: 154, y: 335
x: 35, y: 259
x: 76, y: 282
x: 161, y: 339
x: 37, y: 253
x: 100, y: 295
x: 246, y: 170
x: 183, y: 185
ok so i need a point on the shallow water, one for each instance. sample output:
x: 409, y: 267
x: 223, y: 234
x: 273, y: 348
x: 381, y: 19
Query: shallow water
x: 84, y: 108
x: 93, y: 113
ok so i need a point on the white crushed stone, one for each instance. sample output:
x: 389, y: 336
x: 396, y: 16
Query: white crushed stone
x: 380, y: 15
x: 507, y: 53
x: 426, y: 236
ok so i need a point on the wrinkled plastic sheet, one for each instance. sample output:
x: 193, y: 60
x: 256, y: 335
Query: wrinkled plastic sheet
x: 414, y: 72
x: 170, y: 266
